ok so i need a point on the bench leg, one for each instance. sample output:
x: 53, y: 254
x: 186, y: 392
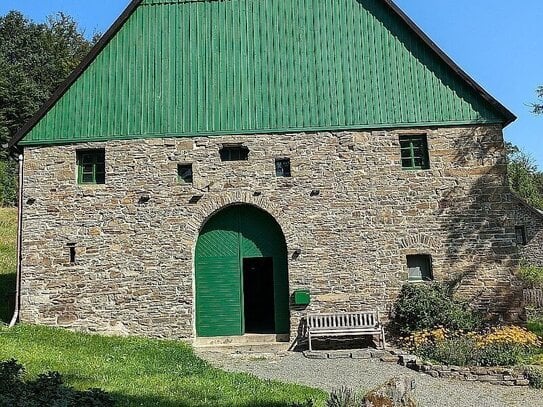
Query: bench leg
x: 310, y: 347
x: 383, y: 337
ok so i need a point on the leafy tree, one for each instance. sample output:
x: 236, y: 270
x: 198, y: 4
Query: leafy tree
x: 34, y: 59
x: 525, y: 179
x: 538, y: 106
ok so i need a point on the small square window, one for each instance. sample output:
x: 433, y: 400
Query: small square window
x: 235, y: 152
x: 414, y: 152
x: 420, y: 267
x: 282, y: 167
x: 91, y: 166
x: 184, y: 173
x: 520, y: 234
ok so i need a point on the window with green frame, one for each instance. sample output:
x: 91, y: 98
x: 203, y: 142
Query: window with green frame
x: 91, y: 166
x: 414, y: 151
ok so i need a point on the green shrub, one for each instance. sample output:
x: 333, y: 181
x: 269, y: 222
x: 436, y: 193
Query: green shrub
x: 503, y: 354
x: 531, y: 276
x: 8, y: 182
x: 452, y: 351
x: 535, y: 375
x: 47, y: 390
x: 535, y: 325
x: 344, y: 397
x: 425, y: 306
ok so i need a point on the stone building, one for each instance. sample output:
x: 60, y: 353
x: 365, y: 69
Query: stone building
x: 528, y: 232
x: 219, y: 168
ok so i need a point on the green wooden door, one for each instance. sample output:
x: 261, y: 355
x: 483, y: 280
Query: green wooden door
x: 218, y: 288
x: 235, y: 233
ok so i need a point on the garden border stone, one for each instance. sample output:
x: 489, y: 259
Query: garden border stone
x: 504, y: 376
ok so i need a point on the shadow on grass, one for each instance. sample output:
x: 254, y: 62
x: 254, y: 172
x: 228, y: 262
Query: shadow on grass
x: 126, y: 401
x: 7, y: 296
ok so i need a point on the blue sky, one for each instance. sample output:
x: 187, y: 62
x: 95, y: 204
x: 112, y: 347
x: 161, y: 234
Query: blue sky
x: 496, y: 41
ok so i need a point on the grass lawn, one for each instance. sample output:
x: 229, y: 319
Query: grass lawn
x: 8, y: 256
x: 136, y: 371
x: 142, y: 372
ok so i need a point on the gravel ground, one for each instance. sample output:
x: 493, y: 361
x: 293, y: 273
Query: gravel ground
x: 365, y: 374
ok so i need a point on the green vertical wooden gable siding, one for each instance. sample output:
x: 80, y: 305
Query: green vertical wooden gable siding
x: 188, y: 68
x: 235, y: 233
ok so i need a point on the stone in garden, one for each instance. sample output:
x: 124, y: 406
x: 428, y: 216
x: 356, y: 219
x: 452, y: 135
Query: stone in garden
x: 361, y: 354
x: 389, y: 358
x: 339, y: 355
x: 407, y: 360
x: 315, y: 355
x: 397, y: 392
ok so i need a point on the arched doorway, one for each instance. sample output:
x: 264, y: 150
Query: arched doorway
x: 241, y: 274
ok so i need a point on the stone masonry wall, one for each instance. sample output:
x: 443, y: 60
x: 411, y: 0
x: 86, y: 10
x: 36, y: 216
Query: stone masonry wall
x: 532, y: 220
x: 134, y: 269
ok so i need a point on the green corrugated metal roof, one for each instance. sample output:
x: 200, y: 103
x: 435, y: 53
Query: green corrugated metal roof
x: 188, y: 68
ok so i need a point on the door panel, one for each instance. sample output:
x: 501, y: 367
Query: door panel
x: 237, y: 232
x: 218, y: 285
x: 280, y: 278
x: 218, y: 305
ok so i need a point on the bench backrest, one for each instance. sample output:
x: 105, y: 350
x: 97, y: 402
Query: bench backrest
x: 343, y: 320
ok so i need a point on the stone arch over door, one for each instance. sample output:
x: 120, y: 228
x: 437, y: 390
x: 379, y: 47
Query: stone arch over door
x: 235, y: 234
x: 213, y: 203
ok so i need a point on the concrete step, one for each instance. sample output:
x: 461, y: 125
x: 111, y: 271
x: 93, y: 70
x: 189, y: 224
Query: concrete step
x: 244, y: 341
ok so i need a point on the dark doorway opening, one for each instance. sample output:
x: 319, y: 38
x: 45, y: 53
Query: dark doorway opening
x: 258, y: 294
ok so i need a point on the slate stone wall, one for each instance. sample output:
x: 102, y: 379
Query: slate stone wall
x: 504, y: 376
x: 134, y: 268
x: 532, y: 221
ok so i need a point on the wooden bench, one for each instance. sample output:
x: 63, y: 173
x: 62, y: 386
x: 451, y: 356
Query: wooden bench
x: 345, y: 324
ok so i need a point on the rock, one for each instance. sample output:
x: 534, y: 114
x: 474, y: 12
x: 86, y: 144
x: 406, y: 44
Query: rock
x: 378, y: 353
x: 361, y: 354
x: 339, y: 355
x: 405, y: 360
x: 396, y: 392
x: 389, y: 358
x: 315, y: 355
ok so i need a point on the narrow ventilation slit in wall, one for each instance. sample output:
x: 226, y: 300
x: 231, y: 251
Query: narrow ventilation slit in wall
x: 195, y: 199
x: 71, y: 247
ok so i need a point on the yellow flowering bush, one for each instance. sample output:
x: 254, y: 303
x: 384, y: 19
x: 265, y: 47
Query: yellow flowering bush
x: 508, y: 334
x: 426, y: 336
x: 499, y: 346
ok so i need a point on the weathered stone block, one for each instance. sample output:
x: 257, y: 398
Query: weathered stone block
x: 389, y: 358
x: 361, y: 354
x: 339, y: 354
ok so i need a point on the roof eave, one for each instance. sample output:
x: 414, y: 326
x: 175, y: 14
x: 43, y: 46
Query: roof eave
x: 64, y: 86
x: 508, y: 116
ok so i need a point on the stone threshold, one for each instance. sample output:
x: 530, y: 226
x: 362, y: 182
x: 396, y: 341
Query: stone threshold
x: 243, y: 341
